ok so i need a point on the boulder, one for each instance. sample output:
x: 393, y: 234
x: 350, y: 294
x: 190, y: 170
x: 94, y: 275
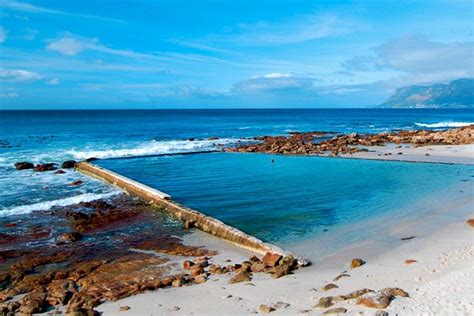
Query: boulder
x: 24, y: 165
x: 271, y: 259
x: 242, y: 276
x: 187, y: 264
x: 266, y: 309
x: 329, y: 286
x: 33, y: 303
x: 377, y: 300
x: 200, y: 279
x: 178, y: 282
x: 337, y: 310
x: 470, y: 222
x: 70, y: 237
x: 355, y: 263
x: 68, y: 164
x: 45, y: 167
x: 257, y: 267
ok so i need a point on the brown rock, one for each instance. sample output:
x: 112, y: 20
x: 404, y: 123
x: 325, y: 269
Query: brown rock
x: 342, y: 275
x: 76, y: 183
x: 70, y: 237
x: 470, y: 222
x: 257, y: 267
x: 60, y: 172
x: 68, y: 164
x: 266, y: 309
x: 325, y: 302
x: 45, y: 167
x: 375, y: 300
x: 395, y: 291
x: 410, y: 261
x: 337, y: 310
x: 124, y: 308
x: 187, y: 264
x: 355, y: 263
x: 189, y: 224
x: 271, y: 259
x: 196, y: 270
x: 329, y: 286
x: 200, y: 279
x: 178, y: 282
x: 254, y: 259
x: 34, y: 302
x: 280, y: 271
x: 242, y: 276
x: 24, y: 165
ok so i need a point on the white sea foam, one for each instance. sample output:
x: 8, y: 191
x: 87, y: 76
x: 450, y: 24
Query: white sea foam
x: 154, y: 148
x: 444, y: 124
x: 46, y: 205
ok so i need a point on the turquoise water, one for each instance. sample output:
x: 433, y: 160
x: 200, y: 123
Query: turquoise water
x: 297, y: 198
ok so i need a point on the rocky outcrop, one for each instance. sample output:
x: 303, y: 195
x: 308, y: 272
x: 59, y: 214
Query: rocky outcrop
x: 68, y: 164
x: 24, y: 165
x: 45, y: 167
x: 307, y: 143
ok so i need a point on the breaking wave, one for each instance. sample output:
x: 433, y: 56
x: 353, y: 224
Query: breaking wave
x: 155, y: 148
x: 444, y: 124
x: 47, y: 205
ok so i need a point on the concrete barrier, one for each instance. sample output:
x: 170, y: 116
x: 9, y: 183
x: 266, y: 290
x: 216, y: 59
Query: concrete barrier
x: 205, y: 223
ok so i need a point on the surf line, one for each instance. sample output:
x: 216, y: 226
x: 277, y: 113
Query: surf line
x: 199, y: 220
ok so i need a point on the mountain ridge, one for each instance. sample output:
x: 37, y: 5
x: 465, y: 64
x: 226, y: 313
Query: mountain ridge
x: 456, y: 94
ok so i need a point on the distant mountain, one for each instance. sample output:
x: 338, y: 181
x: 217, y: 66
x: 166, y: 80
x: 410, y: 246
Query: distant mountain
x: 457, y: 94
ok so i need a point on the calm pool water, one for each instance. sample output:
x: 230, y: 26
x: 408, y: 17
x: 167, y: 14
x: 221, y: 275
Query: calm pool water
x: 296, y: 198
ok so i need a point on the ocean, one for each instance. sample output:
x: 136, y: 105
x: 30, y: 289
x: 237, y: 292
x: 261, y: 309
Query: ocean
x: 293, y: 199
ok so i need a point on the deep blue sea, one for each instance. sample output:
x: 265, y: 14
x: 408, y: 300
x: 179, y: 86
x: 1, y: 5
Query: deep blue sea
x: 297, y: 197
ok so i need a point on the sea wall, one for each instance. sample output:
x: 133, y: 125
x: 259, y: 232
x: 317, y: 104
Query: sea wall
x: 162, y: 200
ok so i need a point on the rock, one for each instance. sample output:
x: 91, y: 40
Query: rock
x: 281, y: 271
x: 410, y: 261
x: 68, y: 164
x: 189, y: 224
x: 60, y: 172
x: 470, y: 222
x: 34, y: 302
x: 266, y: 309
x: 24, y: 165
x: 187, y: 264
x: 70, y: 237
x: 381, y: 313
x: 45, y: 167
x: 338, y: 310
x: 178, y: 282
x: 257, y: 267
x: 76, y: 183
x: 355, y: 263
x: 377, y: 300
x: 355, y: 294
x: 254, y: 259
x: 342, y: 275
x: 271, y: 259
x: 395, y: 291
x: 407, y: 238
x: 200, y: 279
x: 325, y: 302
x: 242, y: 276
x: 329, y: 286
x: 196, y: 270
x: 124, y: 308
x: 280, y: 305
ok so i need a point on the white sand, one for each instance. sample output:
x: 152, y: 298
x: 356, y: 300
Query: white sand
x: 463, y: 154
x: 440, y: 283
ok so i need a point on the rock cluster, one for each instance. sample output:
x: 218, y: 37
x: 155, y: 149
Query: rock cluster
x: 307, y: 143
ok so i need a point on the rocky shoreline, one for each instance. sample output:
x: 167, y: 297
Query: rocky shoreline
x: 106, y: 250
x: 322, y: 143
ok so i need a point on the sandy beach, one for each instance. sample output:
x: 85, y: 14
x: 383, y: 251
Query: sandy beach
x: 437, y: 277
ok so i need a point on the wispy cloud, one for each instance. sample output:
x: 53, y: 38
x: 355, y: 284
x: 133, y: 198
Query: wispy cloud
x: 273, y: 82
x: 53, y: 82
x: 18, y: 75
x: 27, y: 7
x: 3, y: 34
x: 301, y: 28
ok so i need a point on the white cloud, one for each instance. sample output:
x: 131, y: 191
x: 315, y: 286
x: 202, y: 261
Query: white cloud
x: 419, y: 60
x: 53, y: 82
x: 18, y: 75
x: 27, y: 7
x: 3, y: 34
x: 274, y: 82
x: 71, y: 46
x: 299, y: 29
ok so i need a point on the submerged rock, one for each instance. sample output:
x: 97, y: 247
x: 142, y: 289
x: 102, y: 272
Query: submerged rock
x: 68, y: 164
x: 45, y: 167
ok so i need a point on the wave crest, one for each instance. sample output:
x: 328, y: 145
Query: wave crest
x: 155, y: 148
x: 47, y: 205
x: 444, y: 124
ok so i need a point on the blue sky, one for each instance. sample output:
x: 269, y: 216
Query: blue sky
x: 227, y: 54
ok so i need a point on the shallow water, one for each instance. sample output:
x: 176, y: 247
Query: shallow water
x: 298, y: 198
